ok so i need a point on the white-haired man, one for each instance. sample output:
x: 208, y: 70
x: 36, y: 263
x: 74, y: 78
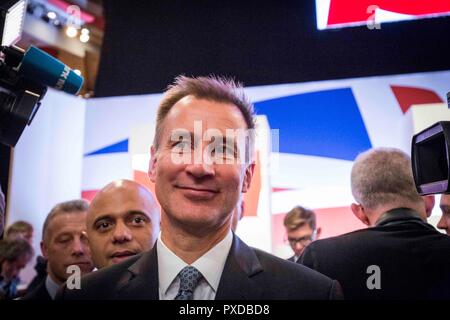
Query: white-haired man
x: 399, y: 256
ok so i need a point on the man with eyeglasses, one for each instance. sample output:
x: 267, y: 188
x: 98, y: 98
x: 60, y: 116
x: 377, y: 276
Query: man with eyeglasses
x: 300, y: 224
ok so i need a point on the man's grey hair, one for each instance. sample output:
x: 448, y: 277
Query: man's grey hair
x: 72, y: 206
x: 383, y: 176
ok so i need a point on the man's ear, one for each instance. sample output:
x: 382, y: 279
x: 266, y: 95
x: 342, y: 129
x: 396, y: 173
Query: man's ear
x: 152, y: 165
x: 248, y: 177
x: 358, y: 211
x: 429, y: 204
x: 318, y: 232
x: 44, y: 250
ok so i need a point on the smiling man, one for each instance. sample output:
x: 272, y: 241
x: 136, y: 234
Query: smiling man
x: 123, y: 220
x: 64, y: 243
x: 201, y: 164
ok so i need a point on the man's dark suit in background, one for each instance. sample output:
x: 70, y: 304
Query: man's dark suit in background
x: 38, y: 293
x: 399, y: 256
x: 41, y: 273
x: 408, y: 252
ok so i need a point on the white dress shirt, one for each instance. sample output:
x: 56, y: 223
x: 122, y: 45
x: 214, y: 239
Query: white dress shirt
x: 210, y: 265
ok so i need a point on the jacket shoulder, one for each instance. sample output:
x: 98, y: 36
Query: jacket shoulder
x: 296, y: 280
x: 100, y: 284
x: 38, y: 293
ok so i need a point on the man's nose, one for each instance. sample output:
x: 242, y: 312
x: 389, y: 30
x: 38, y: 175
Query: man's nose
x: 79, y: 247
x: 298, y: 245
x: 121, y: 233
x: 201, y: 168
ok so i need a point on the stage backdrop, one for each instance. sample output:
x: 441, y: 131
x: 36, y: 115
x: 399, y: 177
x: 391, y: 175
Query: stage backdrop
x: 322, y: 126
x: 308, y: 137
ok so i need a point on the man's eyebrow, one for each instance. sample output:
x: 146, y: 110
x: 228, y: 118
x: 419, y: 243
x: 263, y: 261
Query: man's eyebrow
x: 63, y: 234
x: 225, y: 140
x: 445, y: 207
x: 136, y: 212
x: 180, y: 133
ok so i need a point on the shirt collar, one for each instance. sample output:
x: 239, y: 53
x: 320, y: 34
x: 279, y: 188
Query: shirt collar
x: 398, y: 214
x: 210, y: 265
x: 51, y: 286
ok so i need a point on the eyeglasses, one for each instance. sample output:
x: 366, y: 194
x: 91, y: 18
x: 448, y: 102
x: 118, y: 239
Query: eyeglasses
x: 304, y: 241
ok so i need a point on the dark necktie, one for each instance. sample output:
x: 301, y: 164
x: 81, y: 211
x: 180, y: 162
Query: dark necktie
x: 189, y: 278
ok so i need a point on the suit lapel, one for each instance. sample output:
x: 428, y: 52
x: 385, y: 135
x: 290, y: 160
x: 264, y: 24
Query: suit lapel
x: 236, y: 281
x: 42, y: 292
x: 141, y: 281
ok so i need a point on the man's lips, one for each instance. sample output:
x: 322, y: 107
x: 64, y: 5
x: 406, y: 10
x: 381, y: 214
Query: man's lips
x: 121, y: 254
x: 197, y: 188
x: 197, y: 193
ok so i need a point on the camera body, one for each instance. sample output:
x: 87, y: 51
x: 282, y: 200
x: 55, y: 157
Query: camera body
x: 19, y: 97
x: 430, y: 152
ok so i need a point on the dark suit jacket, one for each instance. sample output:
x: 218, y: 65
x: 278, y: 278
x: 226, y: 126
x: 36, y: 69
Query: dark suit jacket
x: 413, y: 257
x: 248, y: 274
x: 39, y: 293
x: 41, y: 273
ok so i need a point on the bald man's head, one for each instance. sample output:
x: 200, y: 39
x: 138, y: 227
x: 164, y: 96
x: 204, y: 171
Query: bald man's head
x: 123, y: 220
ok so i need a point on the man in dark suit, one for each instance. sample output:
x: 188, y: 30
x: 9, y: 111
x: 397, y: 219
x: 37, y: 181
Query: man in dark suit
x: 249, y: 274
x: 202, y: 161
x: 399, y: 256
x: 64, y: 244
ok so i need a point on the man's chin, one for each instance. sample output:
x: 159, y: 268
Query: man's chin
x: 85, y: 267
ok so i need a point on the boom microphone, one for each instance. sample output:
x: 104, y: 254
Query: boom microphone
x: 24, y: 78
x: 42, y: 67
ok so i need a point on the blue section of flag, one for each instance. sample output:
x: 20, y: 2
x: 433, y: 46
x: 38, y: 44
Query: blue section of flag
x: 324, y: 123
x: 121, y: 146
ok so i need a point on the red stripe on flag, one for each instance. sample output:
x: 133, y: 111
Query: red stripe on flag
x: 408, y: 96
